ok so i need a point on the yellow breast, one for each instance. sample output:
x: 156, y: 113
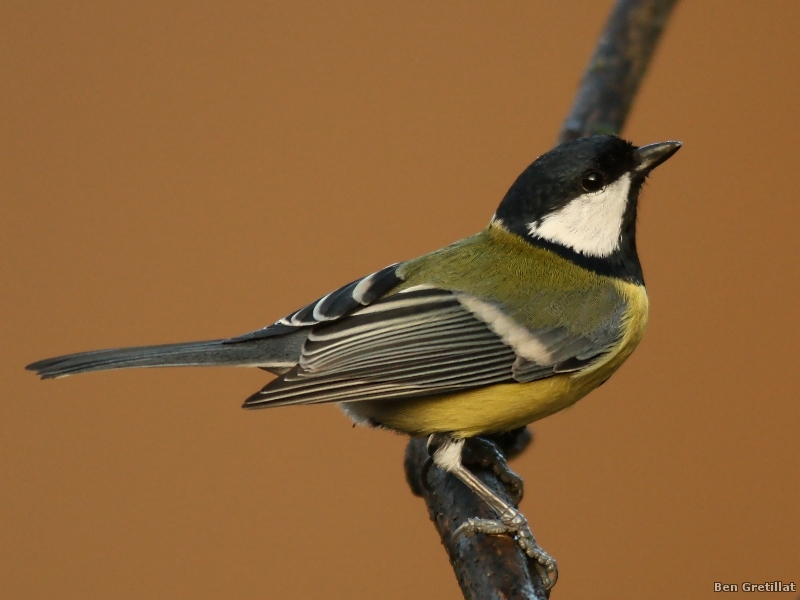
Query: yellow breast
x: 507, y: 406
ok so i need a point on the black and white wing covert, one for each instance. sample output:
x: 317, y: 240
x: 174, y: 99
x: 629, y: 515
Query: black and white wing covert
x: 340, y: 302
x: 422, y: 342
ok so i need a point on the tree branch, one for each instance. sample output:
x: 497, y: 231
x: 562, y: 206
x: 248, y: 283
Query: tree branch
x: 617, y: 67
x: 494, y: 567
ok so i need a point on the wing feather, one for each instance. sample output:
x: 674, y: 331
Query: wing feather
x: 414, y: 343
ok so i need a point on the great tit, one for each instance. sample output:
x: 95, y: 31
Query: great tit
x: 483, y: 336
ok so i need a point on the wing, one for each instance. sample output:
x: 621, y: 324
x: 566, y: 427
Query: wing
x: 421, y: 342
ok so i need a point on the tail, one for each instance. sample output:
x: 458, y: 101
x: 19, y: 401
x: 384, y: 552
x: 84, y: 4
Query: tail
x: 275, y: 354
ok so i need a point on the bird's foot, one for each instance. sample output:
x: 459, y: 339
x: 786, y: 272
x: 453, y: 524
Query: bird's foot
x: 517, y: 526
x: 486, y: 454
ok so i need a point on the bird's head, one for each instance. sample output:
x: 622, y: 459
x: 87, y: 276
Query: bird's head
x: 580, y: 200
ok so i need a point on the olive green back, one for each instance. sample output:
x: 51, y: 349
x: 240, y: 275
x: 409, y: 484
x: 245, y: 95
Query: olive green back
x: 534, y: 286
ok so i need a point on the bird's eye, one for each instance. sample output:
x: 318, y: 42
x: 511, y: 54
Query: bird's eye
x: 592, y: 181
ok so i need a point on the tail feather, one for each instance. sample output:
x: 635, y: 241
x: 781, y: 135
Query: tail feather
x: 276, y: 353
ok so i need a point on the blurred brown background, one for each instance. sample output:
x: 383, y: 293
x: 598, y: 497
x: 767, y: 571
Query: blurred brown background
x: 179, y: 171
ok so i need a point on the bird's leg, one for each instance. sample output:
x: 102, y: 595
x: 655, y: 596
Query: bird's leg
x: 486, y: 454
x: 446, y: 452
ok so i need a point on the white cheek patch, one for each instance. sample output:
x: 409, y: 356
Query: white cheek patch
x: 591, y: 223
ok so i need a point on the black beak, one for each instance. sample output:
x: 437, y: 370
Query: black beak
x: 649, y: 157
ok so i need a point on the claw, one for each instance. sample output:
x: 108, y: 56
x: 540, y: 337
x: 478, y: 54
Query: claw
x: 423, y: 473
x: 486, y: 454
x: 545, y: 564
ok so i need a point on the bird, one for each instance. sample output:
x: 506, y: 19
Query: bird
x: 483, y: 336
